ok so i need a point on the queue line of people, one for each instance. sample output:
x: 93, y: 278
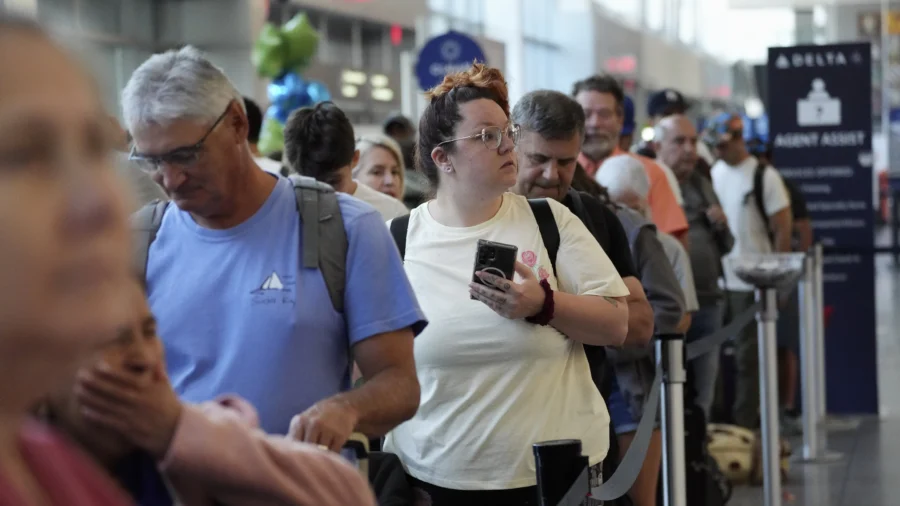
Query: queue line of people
x: 559, y: 351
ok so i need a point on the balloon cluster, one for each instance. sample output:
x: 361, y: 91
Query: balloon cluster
x: 281, y: 54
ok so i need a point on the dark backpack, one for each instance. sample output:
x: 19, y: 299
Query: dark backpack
x: 324, y: 238
x: 758, y: 193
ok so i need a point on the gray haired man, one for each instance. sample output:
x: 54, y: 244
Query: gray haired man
x: 552, y: 127
x: 238, y: 310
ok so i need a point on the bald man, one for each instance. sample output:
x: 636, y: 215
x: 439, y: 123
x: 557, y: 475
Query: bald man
x: 675, y: 142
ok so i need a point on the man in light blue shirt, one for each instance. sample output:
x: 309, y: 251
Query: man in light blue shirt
x: 236, y: 310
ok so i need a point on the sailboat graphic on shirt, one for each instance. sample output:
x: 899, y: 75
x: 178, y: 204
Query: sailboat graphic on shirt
x: 272, y: 283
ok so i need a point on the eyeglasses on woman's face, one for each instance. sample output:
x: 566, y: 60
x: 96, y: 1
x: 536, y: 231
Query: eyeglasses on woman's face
x: 491, y: 137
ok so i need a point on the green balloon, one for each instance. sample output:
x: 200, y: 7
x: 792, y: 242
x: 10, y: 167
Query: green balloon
x: 271, y: 138
x: 269, y: 54
x: 301, y: 42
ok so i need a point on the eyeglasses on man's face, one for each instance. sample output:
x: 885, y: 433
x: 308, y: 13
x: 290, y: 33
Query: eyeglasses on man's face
x: 491, y: 137
x: 182, y: 158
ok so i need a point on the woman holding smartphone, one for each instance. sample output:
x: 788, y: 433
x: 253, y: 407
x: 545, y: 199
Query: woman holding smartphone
x: 503, y: 366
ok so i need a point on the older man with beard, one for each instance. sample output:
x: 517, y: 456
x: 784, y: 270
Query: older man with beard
x: 602, y: 100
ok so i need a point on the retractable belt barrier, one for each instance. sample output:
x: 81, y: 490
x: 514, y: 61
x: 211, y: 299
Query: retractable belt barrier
x: 627, y: 472
x: 671, y: 358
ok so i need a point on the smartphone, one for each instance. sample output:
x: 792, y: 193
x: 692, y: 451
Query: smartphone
x: 494, y: 257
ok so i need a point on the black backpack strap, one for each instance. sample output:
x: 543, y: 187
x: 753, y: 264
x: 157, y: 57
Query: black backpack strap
x: 759, y: 196
x: 145, y: 224
x: 399, y: 226
x: 580, y: 210
x: 543, y: 214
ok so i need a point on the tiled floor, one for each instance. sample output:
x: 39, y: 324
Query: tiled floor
x: 869, y: 473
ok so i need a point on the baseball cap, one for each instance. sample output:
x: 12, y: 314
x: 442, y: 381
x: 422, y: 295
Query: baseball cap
x: 718, y: 130
x: 628, y: 116
x: 665, y: 102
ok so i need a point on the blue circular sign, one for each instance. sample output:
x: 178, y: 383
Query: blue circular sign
x: 446, y: 54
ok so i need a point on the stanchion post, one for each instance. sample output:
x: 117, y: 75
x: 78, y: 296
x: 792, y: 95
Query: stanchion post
x: 819, y: 347
x: 768, y: 389
x: 806, y: 292
x: 670, y: 358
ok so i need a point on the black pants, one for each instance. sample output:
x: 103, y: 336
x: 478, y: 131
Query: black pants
x: 526, y: 496
x: 440, y: 496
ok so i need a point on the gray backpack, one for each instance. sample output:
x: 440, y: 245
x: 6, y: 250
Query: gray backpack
x: 322, y: 228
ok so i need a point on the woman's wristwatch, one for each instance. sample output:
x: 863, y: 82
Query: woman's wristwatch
x: 545, y: 315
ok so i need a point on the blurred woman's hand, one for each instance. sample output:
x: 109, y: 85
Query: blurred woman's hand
x: 145, y: 413
x: 507, y: 298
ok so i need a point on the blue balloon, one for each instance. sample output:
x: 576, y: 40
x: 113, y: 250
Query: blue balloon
x: 318, y: 92
x: 288, y: 93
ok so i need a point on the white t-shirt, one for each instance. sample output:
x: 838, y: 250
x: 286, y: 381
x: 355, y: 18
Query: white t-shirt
x: 388, y: 206
x: 734, y: 186
x: 673, y: 182
x: 491, y: 387
x: 268, y: 165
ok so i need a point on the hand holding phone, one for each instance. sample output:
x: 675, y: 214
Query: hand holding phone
x: 495, y: 258
x: 492, y: 282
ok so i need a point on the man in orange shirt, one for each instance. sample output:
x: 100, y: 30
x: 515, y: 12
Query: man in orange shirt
x: 603, y: 100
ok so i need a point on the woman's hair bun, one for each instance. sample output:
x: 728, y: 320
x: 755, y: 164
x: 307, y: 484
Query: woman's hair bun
x: 478, y: 75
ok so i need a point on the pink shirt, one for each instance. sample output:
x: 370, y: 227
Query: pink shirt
x: 67, y: 477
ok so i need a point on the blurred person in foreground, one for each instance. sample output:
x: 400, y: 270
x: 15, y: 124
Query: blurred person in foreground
x: 63, y: 261
x: 254, y: 127
x: 417, y: 188
x: 123, y: 412
x: 551, y: 132
x: 224, y: 272
x: 675, y: 141
x: 602, y: 99
x: 319, y: 142
x: 380, y: 165
x: 759, y: 226
x: 502, y: 365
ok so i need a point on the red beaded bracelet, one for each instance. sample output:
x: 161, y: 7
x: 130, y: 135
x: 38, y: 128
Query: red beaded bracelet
x: 545, y: 315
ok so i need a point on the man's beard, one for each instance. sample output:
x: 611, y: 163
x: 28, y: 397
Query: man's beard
x: 598, y: 147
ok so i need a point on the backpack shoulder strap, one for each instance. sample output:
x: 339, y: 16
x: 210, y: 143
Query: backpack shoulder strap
x: 145, y: 224
x: 399, y: 226
x: 759, y: 195
x: 543, y: 214
x: 324, y: 238
x: 581, y: 211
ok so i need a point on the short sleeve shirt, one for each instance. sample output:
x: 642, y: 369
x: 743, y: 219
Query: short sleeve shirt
x: 239, y: 315
x: 491, y: 386
x: 734, y: 186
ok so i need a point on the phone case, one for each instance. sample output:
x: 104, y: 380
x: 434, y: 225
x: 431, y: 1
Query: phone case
x: 494, y: 257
